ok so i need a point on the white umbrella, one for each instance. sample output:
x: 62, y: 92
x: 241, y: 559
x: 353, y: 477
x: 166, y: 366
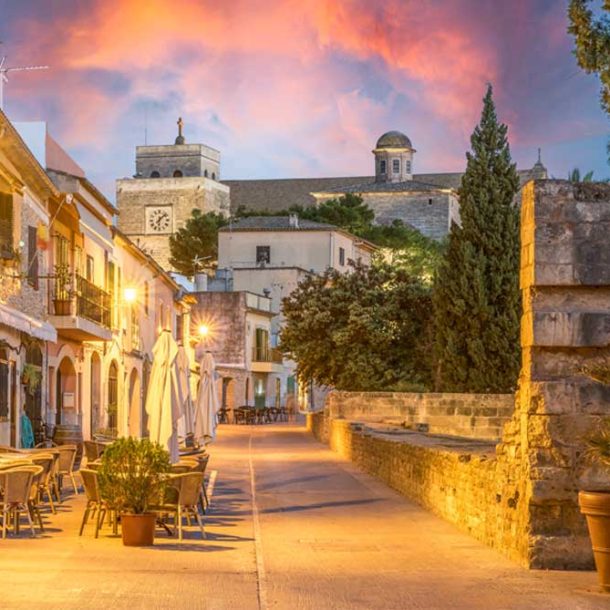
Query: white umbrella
x: 186, y: 424
x: 164, y: 402
x: 207, y: 405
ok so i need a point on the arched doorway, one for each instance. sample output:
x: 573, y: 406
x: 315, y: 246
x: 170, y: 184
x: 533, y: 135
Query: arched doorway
x: 65, y: 395
x: 135, y: 404
x: 96, y: 394
x: 33, y: 389
x: 113, y: 395
x: 227, y: 399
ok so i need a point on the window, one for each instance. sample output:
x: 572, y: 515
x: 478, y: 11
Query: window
x: 408, y: 167
x: 205, y: 173
x: 382, y: 166
x: 429, y: 201
x: 396, y: 166
x: 213, y: 175
x: 177, y: 174
x: 32, y: 271
x: 263, y: 255
x: 6, y: 221
x: 155, y: 174
x: 89, y: 272
x: 342, y: 256
x: 146, y: 295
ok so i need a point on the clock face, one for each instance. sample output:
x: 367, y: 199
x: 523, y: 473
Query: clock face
x: 159, y: 220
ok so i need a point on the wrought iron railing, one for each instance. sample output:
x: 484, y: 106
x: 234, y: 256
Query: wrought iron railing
x: 75, y: 295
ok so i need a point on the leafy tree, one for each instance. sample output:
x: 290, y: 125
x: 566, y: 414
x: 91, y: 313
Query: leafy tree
x: 363, y: 330
x: 476, y: 294
x: 406, y: 247
x: 574, y: 176
x: 348, y: 212
x: 592, y: 38
x: 196, y: 243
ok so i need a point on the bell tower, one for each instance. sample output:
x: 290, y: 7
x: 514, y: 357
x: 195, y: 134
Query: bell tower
x: 393, y: 158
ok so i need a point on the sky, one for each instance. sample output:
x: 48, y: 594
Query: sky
x: 301, y: 88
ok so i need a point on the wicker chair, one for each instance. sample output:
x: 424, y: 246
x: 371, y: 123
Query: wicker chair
x: 34, y: 501
x: 47, y: 479
x: 17, y: 485
x: 181, y: 499
x: 65, y: 466
x: 95, y: 503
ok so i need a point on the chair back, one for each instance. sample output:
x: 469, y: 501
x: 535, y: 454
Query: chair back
x: 202, y: 464
x: 180, y: 468
x: 17, y: 484
x: 93, y: 450
x: 36, y: 480
x: 67, y: 455
x: 46, y: 461
x: 190, y: 486
x: 90, y: 483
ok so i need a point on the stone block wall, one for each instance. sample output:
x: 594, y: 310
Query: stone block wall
x: 470, y: 415
x: 523, y: 500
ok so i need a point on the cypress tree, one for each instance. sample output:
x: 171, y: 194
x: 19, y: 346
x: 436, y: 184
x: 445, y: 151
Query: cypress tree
x: 477, y: 305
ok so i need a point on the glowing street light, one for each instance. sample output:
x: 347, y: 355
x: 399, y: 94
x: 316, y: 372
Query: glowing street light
x: 204, y: 330
x: 130, y: 295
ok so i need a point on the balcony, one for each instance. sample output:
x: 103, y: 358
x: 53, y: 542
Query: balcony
x: 266, y: 359
x: 82, y: 314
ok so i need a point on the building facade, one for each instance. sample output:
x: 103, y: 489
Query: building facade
x: 170, y: 182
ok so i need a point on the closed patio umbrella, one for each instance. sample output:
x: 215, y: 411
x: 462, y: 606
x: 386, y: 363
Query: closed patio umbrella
x: 186, y: 424
x: 207, y: 405
x: 165, y: 399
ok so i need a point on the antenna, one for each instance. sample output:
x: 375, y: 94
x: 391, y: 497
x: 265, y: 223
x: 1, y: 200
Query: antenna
x: 4, y: 70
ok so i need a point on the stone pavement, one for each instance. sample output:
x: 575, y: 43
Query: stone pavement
x: 319, y: 534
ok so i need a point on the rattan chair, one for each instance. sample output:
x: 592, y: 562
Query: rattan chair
x: 47, y: 480
x: 17, y: 485
x: 65, y: 466
x: 181, y: 499
x: 34, y: 501
x: 95, y: 503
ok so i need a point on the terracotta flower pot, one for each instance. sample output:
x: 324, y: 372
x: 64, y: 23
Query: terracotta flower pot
x: 138, y: 530
x: 595, y: 505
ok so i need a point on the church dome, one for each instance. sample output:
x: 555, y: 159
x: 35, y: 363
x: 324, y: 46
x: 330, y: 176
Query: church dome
x: 394, y: 139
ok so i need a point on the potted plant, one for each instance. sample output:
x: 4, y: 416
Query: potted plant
x: 595, y: 504
x: 62, y: 299
x: 132, y: 476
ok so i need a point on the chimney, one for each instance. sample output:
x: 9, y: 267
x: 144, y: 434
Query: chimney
x: 293, y: 221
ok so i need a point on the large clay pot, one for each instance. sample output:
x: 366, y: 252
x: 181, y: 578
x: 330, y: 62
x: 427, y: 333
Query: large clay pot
x: 595, y: 505
x: 138, y: 530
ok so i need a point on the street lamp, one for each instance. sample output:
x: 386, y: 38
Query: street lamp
x: 130, y: 295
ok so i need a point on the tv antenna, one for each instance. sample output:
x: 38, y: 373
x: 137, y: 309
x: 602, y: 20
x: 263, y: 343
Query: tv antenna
x: 4, y: 70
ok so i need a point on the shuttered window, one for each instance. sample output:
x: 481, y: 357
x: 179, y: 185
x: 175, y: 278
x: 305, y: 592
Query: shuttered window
x: 32, y: 258
x: 6, y: 221
x: 3, y: 384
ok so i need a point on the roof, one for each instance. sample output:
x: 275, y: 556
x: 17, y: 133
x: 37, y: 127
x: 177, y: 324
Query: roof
x: 19, y: 153
x: 274, y: 195
x: 394, y: 139
x: 276, y: 223
x: 410, y: 186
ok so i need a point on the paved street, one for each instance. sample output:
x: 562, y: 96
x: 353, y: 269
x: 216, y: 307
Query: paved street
x: 319, y: 534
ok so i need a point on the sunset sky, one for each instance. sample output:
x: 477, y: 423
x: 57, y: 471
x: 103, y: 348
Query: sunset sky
x: 287, y: 88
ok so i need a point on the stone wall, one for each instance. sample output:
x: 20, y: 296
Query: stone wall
x: 523, y: 500
x: 469, y: 415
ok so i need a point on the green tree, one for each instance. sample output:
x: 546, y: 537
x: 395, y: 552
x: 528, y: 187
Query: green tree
x: 363, y: 330
x: 592, y: 38
x: 348, y: 212
x: 574, y: 176
x: 476, y: 295
x: 196, y: 244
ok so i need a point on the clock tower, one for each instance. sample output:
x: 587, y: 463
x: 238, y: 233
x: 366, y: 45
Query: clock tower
x: 170, y: 182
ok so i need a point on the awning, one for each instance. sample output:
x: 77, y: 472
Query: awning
x: 30, y: 326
